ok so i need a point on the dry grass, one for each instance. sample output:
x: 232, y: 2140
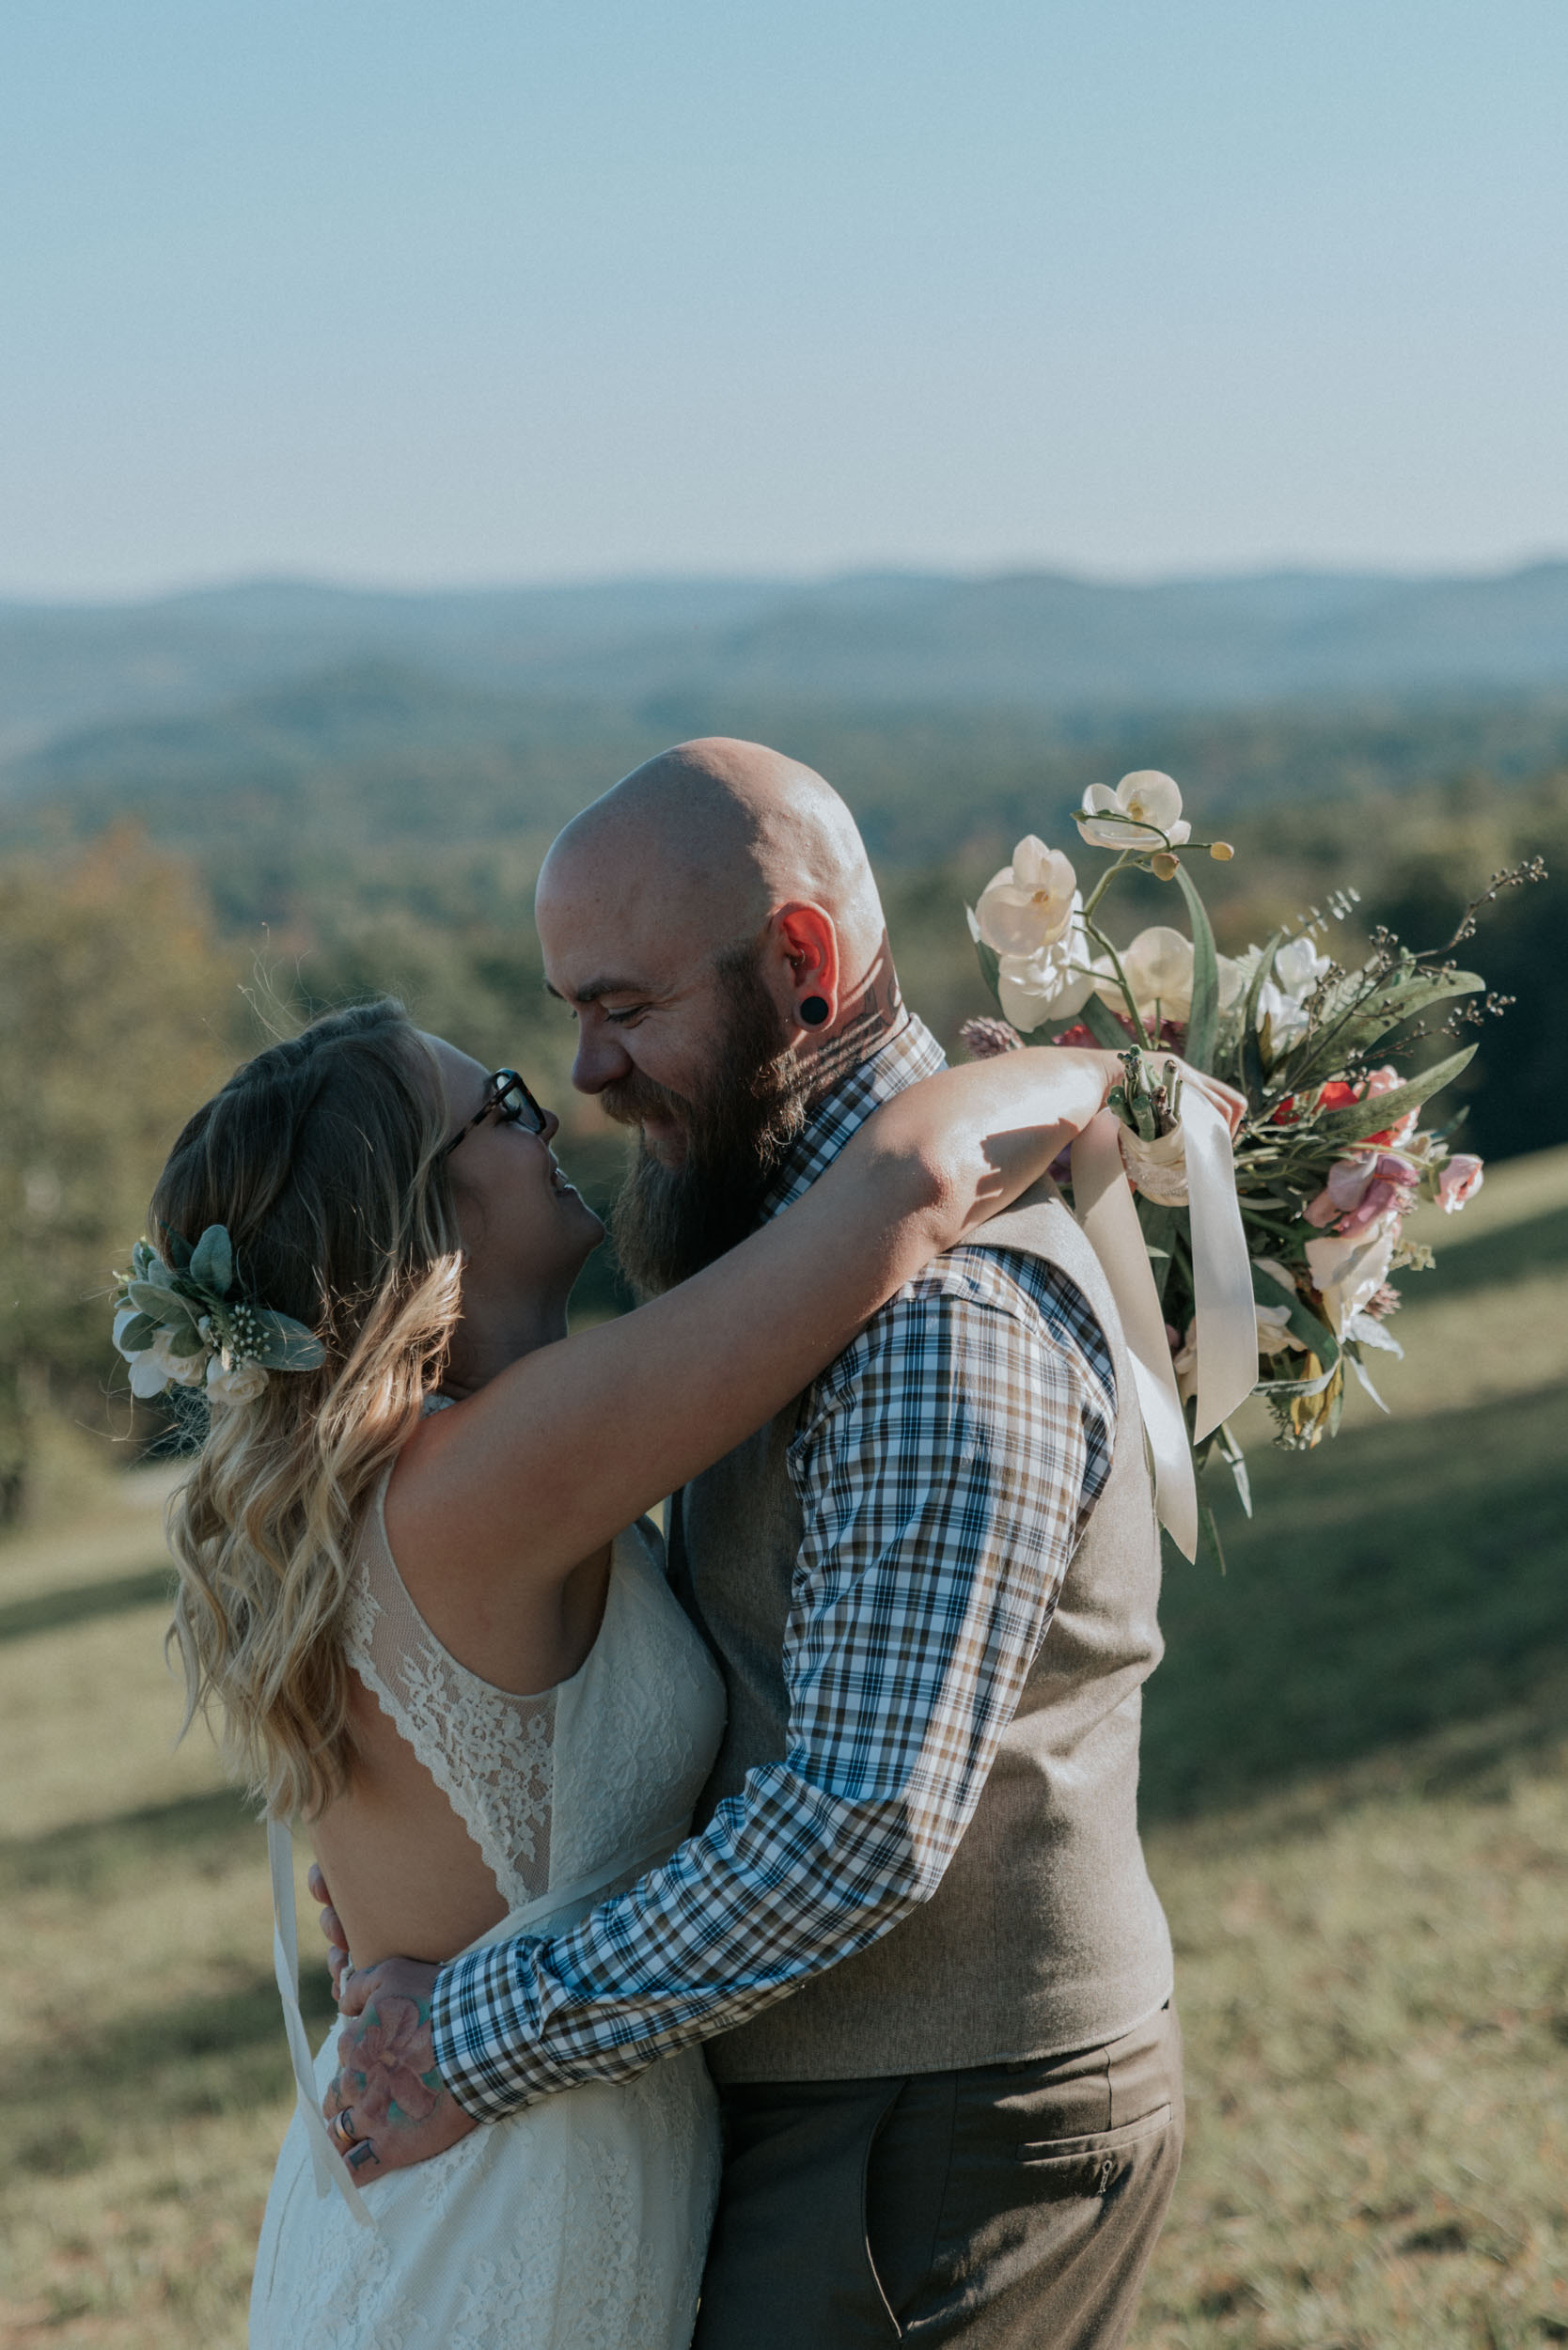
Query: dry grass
x: 1372, y: 1964
x: 1374, y: 1988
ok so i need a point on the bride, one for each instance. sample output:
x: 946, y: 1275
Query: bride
x: 416, y: 1588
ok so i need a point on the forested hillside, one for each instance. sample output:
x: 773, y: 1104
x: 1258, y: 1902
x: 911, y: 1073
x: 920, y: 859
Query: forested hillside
x: 311, y: 834
x: 1035, y: 641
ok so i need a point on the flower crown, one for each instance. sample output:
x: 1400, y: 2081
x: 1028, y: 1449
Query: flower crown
x: 181, y: 1324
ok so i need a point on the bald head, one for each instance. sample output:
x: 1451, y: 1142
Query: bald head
x: 719, y: 884
x: 719, y: 834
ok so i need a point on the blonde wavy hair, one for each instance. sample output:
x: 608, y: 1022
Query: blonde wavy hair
x: 322, y: 1156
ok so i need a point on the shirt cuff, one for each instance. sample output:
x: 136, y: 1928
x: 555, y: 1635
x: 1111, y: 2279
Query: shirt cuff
x: 474, y: 2014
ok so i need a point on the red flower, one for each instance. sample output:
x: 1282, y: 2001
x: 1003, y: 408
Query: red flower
x: 1336, y: 1095
x: 1173, y: 1034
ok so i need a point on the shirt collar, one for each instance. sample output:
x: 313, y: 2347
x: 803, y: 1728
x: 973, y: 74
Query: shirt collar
x: 900, y: 1060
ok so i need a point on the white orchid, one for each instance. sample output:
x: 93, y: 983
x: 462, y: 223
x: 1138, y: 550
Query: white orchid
x: 1143, y: 812
x: 234, y: 1382
x: 1051, y: 985
x: 1282, y: 998
x: 1030, y: 904
x: 1349, y: 1268
x: 1236, y: 974
x: 1158, y: 967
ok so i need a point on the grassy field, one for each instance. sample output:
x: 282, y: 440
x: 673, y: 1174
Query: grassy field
x: 1357, y: 1781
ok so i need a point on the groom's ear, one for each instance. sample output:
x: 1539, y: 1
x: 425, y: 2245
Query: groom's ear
x: 801, y: 965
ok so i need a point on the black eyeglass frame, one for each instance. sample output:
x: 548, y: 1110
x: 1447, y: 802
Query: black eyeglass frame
x: 498, y: 1087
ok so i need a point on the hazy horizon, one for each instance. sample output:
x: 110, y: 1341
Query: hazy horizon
x: 1177, y: 575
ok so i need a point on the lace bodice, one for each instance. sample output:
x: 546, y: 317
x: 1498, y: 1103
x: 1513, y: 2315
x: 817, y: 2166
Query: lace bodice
x: 551, y: 1787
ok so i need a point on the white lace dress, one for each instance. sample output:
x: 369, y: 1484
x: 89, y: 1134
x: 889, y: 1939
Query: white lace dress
x: 581, y: 2222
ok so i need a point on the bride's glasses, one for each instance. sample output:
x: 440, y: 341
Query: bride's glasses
x: 507, y: 1100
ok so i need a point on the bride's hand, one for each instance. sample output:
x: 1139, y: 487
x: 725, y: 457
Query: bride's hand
x: 388, y: 2106
x: 332, y: 1926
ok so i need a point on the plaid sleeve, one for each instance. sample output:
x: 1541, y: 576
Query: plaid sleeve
x: 945, y: 1468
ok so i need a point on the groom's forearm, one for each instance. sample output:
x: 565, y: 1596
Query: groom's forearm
x: 937, y: 1535
x: 721, y: 1932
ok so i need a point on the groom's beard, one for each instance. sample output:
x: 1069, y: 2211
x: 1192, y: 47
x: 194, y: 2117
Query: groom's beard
x: 669, y: 1222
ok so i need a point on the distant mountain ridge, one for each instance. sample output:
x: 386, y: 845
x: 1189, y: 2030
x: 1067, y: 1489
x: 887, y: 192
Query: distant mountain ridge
x: 1021, y: 641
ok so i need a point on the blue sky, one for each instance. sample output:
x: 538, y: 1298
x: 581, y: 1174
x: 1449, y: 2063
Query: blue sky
x: 566, y: 288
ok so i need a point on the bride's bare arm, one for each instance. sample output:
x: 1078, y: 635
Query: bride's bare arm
x: 564, y: 1448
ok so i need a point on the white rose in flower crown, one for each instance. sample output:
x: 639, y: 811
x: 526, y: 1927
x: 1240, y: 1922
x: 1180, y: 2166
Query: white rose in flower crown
x: 1143, y: 812
x: 157, y: 1367
x: 1158, y: 966
x: 240, y: 1383
x: 1051, y: 985
x: 1349, y: 1268
x: 1030, y: 903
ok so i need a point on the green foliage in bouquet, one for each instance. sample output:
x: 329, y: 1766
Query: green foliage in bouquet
x: 1331, y: 1156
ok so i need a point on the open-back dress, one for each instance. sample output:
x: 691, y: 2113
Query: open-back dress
x: 579, y: 2223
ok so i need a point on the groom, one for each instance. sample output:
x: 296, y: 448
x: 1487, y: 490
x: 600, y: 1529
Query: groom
x: 914, y: 1924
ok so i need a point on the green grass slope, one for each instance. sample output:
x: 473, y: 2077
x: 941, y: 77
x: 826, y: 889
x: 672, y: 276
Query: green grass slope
x: 1357, y: 1789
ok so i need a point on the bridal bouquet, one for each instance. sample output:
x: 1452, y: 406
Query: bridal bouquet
x: 1332, y: 1155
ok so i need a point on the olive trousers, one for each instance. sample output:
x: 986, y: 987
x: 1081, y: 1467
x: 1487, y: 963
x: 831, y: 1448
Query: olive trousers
x: 1009, y: 2207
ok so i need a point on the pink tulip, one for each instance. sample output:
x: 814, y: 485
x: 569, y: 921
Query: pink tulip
x: 1384, y: 1080
x: 1459, y: 1178
x: 1359, y: 1189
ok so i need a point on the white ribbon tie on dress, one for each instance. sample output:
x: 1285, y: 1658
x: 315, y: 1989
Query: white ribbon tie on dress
x: 332, y: 2175
x: 1227, y: 1340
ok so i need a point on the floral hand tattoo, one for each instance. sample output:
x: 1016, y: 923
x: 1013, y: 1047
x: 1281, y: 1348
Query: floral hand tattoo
x: 397, y: 2109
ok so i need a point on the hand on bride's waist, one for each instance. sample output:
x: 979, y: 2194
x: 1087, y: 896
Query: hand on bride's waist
x: 387, y: 2105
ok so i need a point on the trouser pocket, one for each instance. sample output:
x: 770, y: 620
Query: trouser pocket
x: 1089, y: 2163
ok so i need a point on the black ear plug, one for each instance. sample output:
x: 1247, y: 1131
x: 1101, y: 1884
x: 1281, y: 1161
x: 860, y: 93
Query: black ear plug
x: 814, y: 1009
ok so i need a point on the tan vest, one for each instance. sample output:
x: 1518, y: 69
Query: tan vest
x: 1045, y: 1934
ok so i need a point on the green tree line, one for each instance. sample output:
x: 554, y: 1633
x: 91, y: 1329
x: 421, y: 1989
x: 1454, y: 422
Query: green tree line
x: 129, y: 984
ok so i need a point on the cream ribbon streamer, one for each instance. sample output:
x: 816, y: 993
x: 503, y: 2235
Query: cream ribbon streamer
x: 1222, y: 1291
x: 1221, y: 1269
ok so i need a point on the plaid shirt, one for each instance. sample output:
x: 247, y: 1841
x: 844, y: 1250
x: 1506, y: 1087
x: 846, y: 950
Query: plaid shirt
x: 946, y: 1465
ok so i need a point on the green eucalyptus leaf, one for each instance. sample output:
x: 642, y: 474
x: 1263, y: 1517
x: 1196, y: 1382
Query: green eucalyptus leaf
x: 1359, y: 1119
x: 187, y: 1341
x: 212, y: 1266
x: 137, y: 1334
x: 1204, y: 1019
x: 287, y: 1345
x: 166, y: 1306
x: 177, y: 1247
